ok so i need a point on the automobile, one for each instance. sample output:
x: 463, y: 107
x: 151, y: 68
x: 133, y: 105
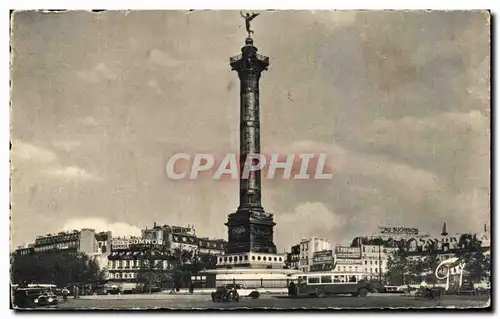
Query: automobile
x: 225, y: 293
x: 376, y: 286
x: 391, y: 289
x: 25, y: 297
x: 46, y: 299
x: 467, y: 288
x: 245, y: 291
x: 429, y: 293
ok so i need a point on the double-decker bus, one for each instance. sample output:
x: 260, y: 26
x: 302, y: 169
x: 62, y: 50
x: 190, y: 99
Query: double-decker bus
x: 320, y: 284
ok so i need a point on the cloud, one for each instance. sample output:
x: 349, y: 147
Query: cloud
x: 73, y: 173
x: 118, y: 229
x: 66, y: 145
x: 34, y: 162
x: 393, y: 106
x: 156, y: 87
x: 97, y: 74
x: 89, y: 121
x: 162, y: 59
x: 22, y: 151
x: 307, y: 220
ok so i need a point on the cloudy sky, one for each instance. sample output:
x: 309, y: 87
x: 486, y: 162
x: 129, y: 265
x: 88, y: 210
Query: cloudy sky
x: 398, y: 100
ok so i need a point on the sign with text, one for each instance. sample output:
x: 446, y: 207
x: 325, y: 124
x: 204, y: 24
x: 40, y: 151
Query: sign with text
x: 323, y: 257
x: 126, y: 243
x: 342, y: 261
x: 396, y: 230
x: 342, y: 252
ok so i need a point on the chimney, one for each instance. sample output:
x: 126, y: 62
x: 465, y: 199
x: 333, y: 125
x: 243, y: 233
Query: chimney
x: 443, y: 231
x: 154, y: 224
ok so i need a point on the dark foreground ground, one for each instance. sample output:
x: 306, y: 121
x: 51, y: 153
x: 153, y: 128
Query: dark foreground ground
x: 204, y: 302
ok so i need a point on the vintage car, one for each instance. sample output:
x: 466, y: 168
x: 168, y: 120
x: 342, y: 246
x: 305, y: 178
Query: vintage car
x: 376, y: 286
x: 225, y: 293
x: 467, y: 288
x: 25, y: 297
x: 233, y: 293
x: 47, y: 298
x: 33, y: 297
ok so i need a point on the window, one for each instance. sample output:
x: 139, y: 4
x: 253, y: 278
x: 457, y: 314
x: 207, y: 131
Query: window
x: 338, y: 278
x: 246, y: 257
x: 230, y: 259
x: 253, y: 257
x: 220, y: 260
x: 313, y: 280
x: 352, y: 279
x: 275, y: 259
x: 376, y: 270
x: 364, y: 249
x: 240, y: 258
x: 225, y: 259
x: 258, y: 258
x: 366, y: 262
x: 281, y: 258
x: 375, y: 262
x: 264, y: 258
x: 371, y: 262
x: 326, y: 279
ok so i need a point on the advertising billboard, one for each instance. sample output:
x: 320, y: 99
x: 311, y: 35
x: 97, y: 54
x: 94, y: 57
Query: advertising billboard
x: 121, y: 243
x: 344, y: 252
x: 396, y: 230
x: 323, y: 257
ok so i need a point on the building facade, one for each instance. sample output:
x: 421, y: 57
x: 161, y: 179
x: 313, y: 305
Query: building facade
x: 307, y: 249
x: 159, y: 247
x: 88, y: 241
x: 292, y: 258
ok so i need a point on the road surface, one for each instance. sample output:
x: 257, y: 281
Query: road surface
x: 277, y: 302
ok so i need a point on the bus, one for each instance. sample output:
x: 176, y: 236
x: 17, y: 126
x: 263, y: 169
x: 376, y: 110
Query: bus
x: 319, y: 284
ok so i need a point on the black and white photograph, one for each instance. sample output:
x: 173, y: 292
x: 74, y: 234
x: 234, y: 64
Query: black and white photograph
x: 250, y: 159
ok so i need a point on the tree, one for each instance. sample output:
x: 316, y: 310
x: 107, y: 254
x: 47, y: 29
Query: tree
x: 477, y: 263
x: 428, y: 263
x: 152, y: 271
x: 60, y: 268
x: 401, y: 269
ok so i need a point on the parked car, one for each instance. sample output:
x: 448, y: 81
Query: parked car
x: 241, y: 290
x: 376, y: 286
x: 25, y: 297
x: 225, y: 293
x: 467, y: 288
x: 391, y: 289
x: 46, y: 299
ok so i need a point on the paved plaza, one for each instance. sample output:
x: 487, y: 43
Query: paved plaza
x: 183, y: 302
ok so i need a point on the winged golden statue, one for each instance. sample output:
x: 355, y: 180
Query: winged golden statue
x: 248, y: 18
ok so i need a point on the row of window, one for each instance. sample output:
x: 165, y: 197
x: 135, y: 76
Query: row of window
x: 114, y: 264
x: 130, y: 275
x: 72, y: 244
x: 68, y: 237
x: 331, y: 279
x: 195, y: 241
x: 241, y: 258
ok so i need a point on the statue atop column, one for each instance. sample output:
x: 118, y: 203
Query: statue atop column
x: 248, y: 18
